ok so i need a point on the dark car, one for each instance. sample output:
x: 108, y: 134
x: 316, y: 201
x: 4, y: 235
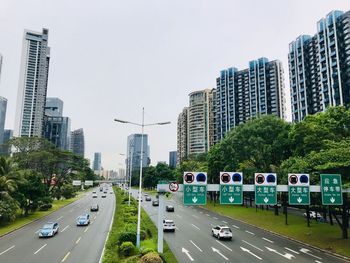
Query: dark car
x: 169, y: 208
x: 155, y: 203
x: 94, y: 208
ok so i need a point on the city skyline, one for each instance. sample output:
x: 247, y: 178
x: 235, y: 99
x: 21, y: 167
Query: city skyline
x: 161, y: 90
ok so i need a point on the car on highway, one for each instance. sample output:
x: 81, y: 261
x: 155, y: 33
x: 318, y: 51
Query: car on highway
x: 104, y: 196
x: 94, y: 195
x: 49, y: 229
x: 94, y: 192
x: 168, y: 225
x: 222, y: 232
x: 169, y: 208
x: 145, y: 194
x: 155, y: 203
x: 313, y: 215
x: 148, y: 198
x: 94, y: 208
x: 111, y: 192
x: 101, y: 189
x: 105, y: 191
x: 83, y: 220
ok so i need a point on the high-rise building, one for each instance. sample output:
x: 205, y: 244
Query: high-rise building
x: 319, y: 67
x: 3, y: 106
x: 57, y: 131
x: 4, y: 148
x: 97, y: 162
x: 134, y: 152
x: 32, y: 87
x: 77, y: 142
x: 200, y: 121
x: 0, y: 64
x: 172, y: 159
x: 243, y: 95
x: 54, y: 107
x: 182, y: 135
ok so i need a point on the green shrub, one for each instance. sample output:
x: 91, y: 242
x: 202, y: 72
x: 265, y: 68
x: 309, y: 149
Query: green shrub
x: 45, y: 207
x: 127, y: 237
x: 131, y: 220
x: 151, y: 257
x: 133, y: 259
x: 143, y: 234
x: 145, y: 250
x: 68, y: 191
x: 127, y: 249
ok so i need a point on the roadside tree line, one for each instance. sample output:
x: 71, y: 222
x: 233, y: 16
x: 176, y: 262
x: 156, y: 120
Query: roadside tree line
x: 35, y: 175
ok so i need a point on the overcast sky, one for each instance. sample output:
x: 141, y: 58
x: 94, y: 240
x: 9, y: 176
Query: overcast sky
x: 111, y: 58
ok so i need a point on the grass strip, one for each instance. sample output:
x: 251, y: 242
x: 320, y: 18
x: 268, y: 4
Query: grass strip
x: 321, y: 235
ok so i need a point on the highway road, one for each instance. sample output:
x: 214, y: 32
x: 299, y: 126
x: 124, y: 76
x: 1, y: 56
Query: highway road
x: 72, y: 244
x: 193, y: 242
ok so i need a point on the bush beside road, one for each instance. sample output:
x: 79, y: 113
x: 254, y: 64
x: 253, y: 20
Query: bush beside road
x: 320, y: 235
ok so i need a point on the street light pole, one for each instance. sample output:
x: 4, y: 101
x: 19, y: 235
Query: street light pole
x: 141, y: 164
x: 130, y: 176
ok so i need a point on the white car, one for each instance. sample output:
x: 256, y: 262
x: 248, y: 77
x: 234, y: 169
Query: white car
x: 168, y: 225
x: 222, y: 232
x: 94, y: 195
x: 313, y: 215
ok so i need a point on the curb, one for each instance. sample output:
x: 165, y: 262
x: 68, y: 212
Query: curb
x: 15, y: 229
x: 286, y: 237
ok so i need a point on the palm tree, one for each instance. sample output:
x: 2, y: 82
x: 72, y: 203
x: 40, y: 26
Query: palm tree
x: 8, y: 182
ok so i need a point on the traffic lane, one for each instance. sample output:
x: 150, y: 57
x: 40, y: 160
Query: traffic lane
x: 26, y: 241
x: 90, y: 246
x: 190, y: 242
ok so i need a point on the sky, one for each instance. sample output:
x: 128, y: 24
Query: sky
x: 109, y: 59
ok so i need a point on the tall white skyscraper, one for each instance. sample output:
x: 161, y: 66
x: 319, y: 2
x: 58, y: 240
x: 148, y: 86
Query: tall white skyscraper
x: 32, y: 86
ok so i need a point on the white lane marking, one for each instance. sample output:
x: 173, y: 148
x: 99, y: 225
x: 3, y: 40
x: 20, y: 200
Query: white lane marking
x: 286, y: 255
x: 268, y: 240
x: 59, y: 218
x: 218, y: 251
x: 316, y: 261
x: 215, y: 218
x: 223, y: 245
x: 251, y: 253
x: 86, y: 229
x: 40, y: 249
x: 224, y: 222
x: 249, y: 232
x: 94, y: 217
x: 65, y: 257
x: 71, y: 210
x: 178, y: 216
x: 3, y: 252
x: 195, y: 226
x: 76, y: 242
x: 184, y: 250
x: 64, y: 228
x: 306, y: 251
x: 196, y: 246
x: 195, y: 216
x: 235, y: 226
x: 201, y: 212
x: 252, y: 245
x: 291, y: 250
x: 207, y: 214
x: 36, y: 232
x: 177, y: 228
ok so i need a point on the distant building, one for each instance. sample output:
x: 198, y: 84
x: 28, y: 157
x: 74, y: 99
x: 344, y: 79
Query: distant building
x: 319, y: 67
x: 97, y: 162
x: 182, y: 135
x: 54, y: 107
x: 134, y: 152
x: 172, y: 159
x: 1, y: 58
x: 4, y: 148
x: 245, y: 94
x: 3, y: 106
x: 57, y: 131
x: 77, y: 142
x: 121, y: 174
x: 32, y: 86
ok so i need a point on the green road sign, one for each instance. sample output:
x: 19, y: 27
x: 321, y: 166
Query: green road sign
x: 299, y: 195
x: 265, y: 194
x: 195, y: 194
x: 331, y: 189
x: 231, y: 194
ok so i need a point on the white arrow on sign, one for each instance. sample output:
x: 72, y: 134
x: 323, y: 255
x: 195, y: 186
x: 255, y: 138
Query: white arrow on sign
x: 332, y: 200
x: 231, y: 199
x: 266, y: 199
x: 184, y: 250
x: 299, y: 199
x: 251, y: 253
x: 306, y: 251
x: 194, y: 199
x: 287, y: 255
x: 218, y: 251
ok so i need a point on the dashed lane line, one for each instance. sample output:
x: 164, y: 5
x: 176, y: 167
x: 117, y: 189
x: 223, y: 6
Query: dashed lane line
x: 7, y: 250
x: 235, y: 226
x: 250, y: 232
x: 268, y: 240
x: 224, y: 222
x: 291, y: 250
x: 195, y: 226
x: 64, y: 228
x: 65, y: 257
x: 86, y: 229
x: 76, y: 242
x: 196, y: 246
x: 59, y: 218
x: 223, y: 245
x: 252, y: 245
x: 36, y: 252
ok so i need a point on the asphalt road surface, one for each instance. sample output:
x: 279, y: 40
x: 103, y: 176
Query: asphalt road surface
x: 193, y: 241
x: 72, y: 244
